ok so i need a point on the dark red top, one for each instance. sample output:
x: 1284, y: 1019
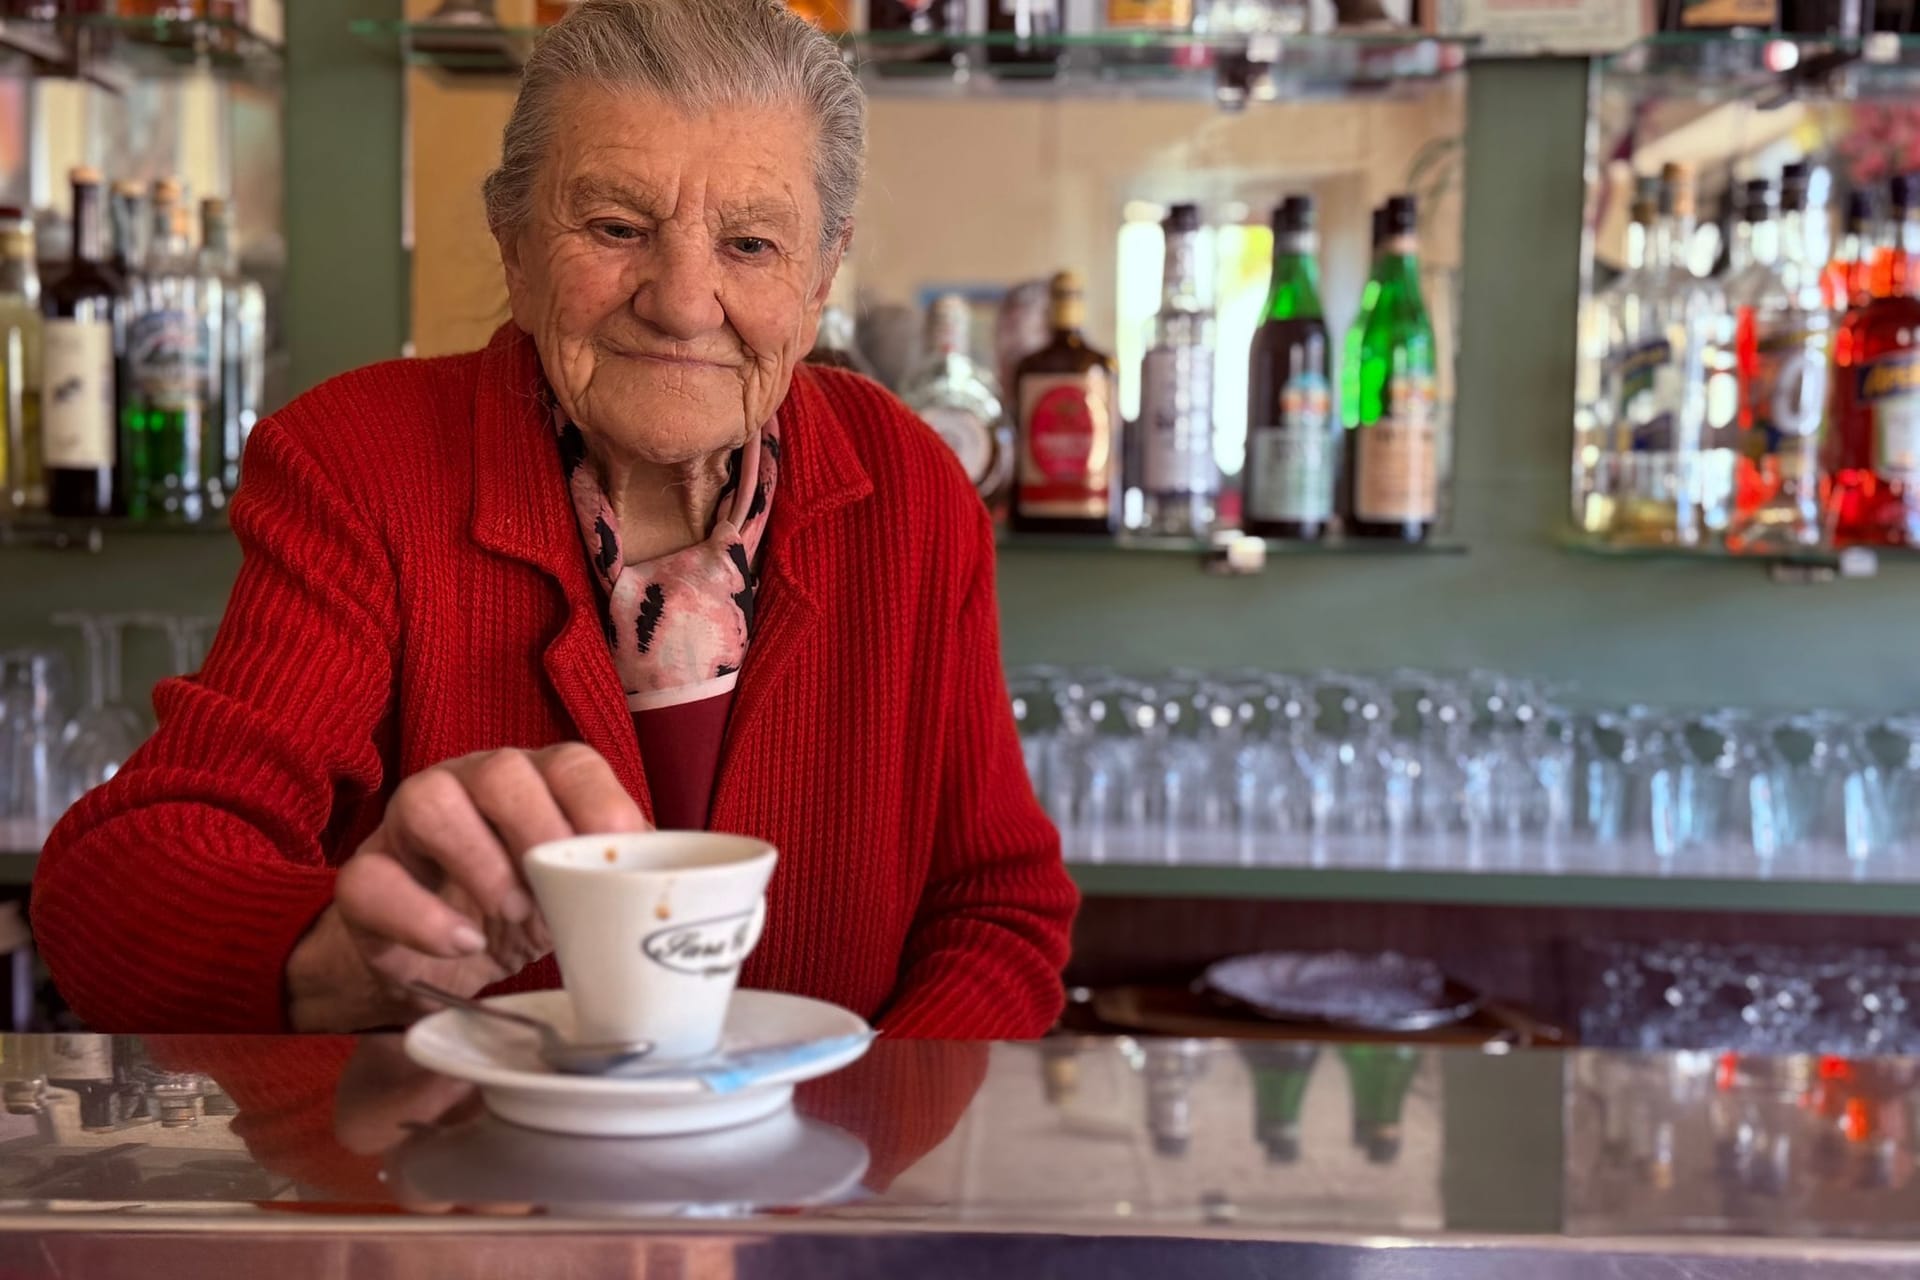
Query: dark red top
x: 413, y: 590
x: 680, y: 750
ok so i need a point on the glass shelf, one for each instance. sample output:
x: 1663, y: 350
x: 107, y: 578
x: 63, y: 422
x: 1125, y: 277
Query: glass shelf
x: 90, y: 535
x: 1231, y: 68
x: 115, y: 52
x: 1496, y: 873
x: 1799, y: 565
x: 1142, y: 544
x: 1721, y: 66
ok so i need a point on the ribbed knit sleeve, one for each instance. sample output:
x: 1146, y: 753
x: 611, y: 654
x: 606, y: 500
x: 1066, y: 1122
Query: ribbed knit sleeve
x: 169, y: 898
x: 991, y: 936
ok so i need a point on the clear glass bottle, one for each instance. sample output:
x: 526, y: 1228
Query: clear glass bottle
x: 834, y: 343
x: 164, y: 418
x: 23, y: 486
x: 1180, y: 481
x: 1677, y: 392
x: 955, y: 396
x: 1784, y: 343
x: 1614, y: 315
x: 236, y: 332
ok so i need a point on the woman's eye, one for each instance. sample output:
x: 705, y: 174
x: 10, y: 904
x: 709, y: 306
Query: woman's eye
x: 618, y: 230
x: 752, y: 246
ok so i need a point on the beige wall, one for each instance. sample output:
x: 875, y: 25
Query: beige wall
x: 977, y: 192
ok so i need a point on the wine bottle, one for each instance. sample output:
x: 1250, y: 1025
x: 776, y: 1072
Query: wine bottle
x: 77, y: 395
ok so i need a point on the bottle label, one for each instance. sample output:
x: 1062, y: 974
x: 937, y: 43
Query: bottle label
x: 1649, y: 383
x: 164, y: 360
x: 1290, y: 465
x: 1789, y: 393
x: 76, y: 401
x: 1176, y: 413
x: 970, y: 439
x: 1890, y: 388
x: 1066, y: 445
x: 1396, y: 457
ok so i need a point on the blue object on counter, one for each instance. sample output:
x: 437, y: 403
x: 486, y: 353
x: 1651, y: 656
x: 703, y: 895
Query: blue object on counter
x: 731, y: 1070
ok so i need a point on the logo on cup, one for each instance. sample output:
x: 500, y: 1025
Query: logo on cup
x: 704, y: 948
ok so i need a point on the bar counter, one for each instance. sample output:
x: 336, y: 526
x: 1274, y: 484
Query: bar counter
x: 336, y: 1157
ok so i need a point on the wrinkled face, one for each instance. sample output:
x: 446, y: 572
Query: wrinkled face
x: 670, y: 272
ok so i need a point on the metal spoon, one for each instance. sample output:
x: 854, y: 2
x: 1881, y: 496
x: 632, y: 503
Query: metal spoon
x: 556, y: 1051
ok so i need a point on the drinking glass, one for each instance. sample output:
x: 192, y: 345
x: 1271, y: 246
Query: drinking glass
x: 33, y: 684
x: 98, y: 740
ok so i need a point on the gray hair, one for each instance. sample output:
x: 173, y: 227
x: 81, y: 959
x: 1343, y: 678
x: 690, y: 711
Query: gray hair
x: 698, y: 55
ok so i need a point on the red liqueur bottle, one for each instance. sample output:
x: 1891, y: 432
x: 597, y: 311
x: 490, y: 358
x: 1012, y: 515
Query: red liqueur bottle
x: 1873, y: 448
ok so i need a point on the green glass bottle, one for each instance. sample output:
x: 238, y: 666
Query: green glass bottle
x: 1280, y: 1071
x: 1379, y: 1076
x: 1293, y: 447
x: 1388, y: 406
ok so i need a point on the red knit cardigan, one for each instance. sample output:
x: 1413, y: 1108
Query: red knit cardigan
x: 414, y: 589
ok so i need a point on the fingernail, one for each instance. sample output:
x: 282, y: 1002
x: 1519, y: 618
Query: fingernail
x: 468, y: 940
x: 515, y: 907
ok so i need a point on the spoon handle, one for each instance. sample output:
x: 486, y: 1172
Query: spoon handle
x: 439, y: 996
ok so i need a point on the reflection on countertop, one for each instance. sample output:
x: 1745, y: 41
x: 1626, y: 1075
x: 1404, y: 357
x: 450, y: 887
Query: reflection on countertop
x: 1534, y: 1154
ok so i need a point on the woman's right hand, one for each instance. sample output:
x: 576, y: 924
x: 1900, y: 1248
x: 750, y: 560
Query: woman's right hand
x: 436, y: 893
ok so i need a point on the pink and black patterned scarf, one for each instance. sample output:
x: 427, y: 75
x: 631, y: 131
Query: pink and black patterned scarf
x: 679, y: 625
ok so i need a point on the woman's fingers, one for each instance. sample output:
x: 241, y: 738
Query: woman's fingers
x: 379, y: 899
x: 432, y: 819
x: 588, y: 792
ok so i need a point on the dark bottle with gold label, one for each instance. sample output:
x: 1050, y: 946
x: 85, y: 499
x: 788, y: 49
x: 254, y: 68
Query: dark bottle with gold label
x: 1067, y: 476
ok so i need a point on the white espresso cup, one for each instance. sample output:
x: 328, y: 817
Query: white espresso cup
x: 650, y: 929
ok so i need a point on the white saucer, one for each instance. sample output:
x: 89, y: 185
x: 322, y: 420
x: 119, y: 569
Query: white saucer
x: 784, y: 1161
x: 517, y: 1086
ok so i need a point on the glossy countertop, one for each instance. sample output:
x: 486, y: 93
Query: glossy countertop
x: 299, y: 1157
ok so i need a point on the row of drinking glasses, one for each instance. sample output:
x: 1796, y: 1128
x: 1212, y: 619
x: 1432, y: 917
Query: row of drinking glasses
x: 52, y: 751
x: 1162, y: 766
x: 1756, y: 998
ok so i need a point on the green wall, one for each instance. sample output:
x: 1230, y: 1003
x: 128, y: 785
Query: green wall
x: 1656, y: 630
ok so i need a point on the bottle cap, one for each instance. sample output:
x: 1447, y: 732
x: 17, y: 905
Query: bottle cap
x: 129, y: 188
x: 1901, y: 192
x: 1756, y: 200
x: 1293, y: 215
x: 1066, y: 284
x: 1860, y: 211
x: 166, y: 190
x: 948, y: 320
x: 214, y: 206
x: 1676, y: 189
x: 1402, y: 216
x: 84, y: 175
x: 1182, y: 218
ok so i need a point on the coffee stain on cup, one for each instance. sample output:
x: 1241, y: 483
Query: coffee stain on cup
x: 612, y: 855
x: 663, y: 909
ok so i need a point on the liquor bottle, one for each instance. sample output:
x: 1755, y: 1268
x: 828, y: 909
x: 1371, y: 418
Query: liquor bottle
x: 1180, y: 479
x: 956, y: 397
x: 1392, y: 448
x: 1132, y: 20
x: 23, y: 485
x: 236, y: 331
x: 1873, y: 448
x: 1616, y: 315
x: 548, y: 12
x: 1280, y: 1071
x: 77, y: 365
x: 1675, y: 385
x: 1171, y: 1068
x: 1025, y: 37
x: 901, y: 24
x: 834, y: 345
x: 1293, y: 446
x: 169, y: 373
x: 1067, y: 468
x: 127, y: 228
x: 1845, y: 281
x: 1378, y: 1076
x: 1785, y: 341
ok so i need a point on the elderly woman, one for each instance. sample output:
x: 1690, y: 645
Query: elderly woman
x: 630, y: 564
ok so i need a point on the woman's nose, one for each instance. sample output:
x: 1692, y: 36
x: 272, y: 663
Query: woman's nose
x: 680, y: 296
